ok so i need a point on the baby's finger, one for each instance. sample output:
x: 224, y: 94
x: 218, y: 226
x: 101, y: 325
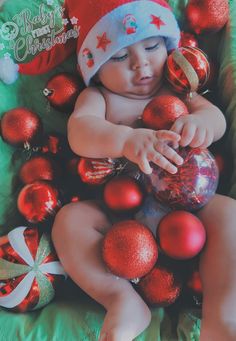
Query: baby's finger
x: 177, y: 127
x: 162, y: 162
x: 187, y: 135
x: 199, y: 138
x: 145, y: 166
x: 168, y: 135
x: 208, y: 140
x: 170, y: 154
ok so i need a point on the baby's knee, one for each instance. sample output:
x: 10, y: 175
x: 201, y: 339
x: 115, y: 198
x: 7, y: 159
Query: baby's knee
x: 61, y: 222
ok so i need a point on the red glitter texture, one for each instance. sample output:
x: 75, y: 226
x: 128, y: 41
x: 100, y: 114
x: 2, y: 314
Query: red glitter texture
x: 159, y: 287
x: 129, y: 249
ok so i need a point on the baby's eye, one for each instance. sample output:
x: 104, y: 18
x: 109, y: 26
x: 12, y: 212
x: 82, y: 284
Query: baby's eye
x: 153, y: 47
x: 119, y: 58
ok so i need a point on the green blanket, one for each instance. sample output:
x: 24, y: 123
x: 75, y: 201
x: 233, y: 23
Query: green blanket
x: 73, y: 315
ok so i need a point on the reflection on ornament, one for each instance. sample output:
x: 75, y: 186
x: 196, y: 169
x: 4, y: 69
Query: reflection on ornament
x: 29, y: 270
x: 38, y: 201
x: 97, y: 171
x: 62, y: 91
x: 192, y: 186
x: 187, y: 69
x: 181, y: 235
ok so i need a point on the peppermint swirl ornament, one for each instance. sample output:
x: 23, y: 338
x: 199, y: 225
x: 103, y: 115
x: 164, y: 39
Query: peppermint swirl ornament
x: 29, y: 270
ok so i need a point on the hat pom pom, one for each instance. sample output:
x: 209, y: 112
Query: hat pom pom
x: 8, y: 70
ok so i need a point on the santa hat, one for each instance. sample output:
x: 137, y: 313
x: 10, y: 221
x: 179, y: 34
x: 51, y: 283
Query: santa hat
x: 105, y: 27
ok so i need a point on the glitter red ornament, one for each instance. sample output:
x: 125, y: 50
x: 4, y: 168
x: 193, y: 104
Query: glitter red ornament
x: 62, y: 91
x: 38, y: 201
x: 188, y: 39
x: 123, y: 194
x: 39, y: 167
x: 187, y: 69
x: 29, y: 270
x: 129, y: 249
x: 21, y: 127
x: 205, y: 16
x: 97, y: 171
x: 160, y: 286
x: 162, y: 111
x: 192, y: 186
x: 181, y: 235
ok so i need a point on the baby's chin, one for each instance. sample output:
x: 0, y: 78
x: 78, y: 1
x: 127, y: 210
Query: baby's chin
x: 143, y: 92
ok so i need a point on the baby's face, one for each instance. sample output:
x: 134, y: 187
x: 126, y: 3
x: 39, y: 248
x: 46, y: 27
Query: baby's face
x: 137, y: 70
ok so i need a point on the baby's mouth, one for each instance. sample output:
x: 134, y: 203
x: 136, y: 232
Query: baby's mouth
x: 144, y: 80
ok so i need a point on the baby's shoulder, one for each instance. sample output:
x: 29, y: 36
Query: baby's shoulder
x: 90, y: 100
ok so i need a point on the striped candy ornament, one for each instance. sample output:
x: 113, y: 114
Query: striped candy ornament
x: 29, y: 270
x: 187, y: 69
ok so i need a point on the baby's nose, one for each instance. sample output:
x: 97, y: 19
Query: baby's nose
x: 138, y: 62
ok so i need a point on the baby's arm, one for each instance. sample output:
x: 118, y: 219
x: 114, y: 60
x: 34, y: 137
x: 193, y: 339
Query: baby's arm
x: 204, y: 125
x: 91, y: 135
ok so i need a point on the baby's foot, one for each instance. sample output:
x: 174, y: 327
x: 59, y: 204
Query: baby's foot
x: 126, y: 318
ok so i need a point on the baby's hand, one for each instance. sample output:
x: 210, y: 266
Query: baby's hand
x: 144, y: 145
x: 194, y: 131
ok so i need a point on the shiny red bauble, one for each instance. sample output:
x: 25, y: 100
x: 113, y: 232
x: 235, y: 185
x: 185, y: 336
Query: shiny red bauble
x: 205, y: 16
x: 129, y: 249
x: 192, y: 186
x: 29, y: 269
x: 160, y: 287
x: 96, y: 171
x: 38, y: 201
x: 40, y: 167
x: 62, y: 91
x: 21, y: 127
x: 162, y: 111
x: 188, y: 39
x: 123, y: 193
x: 187, y: 69
x: 181, y: 235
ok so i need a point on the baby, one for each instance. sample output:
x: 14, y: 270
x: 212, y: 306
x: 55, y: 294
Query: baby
x: 122, y: 49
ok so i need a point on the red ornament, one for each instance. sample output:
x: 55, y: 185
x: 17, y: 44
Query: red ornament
x: 129, y: 249
x: 29, y: 270
x: 37, y: 201
x: 96, y: 171
x: 21, y: 127
x: 162, y: 111
x: 206, y: 16
x: 39, y: 167
x: 188, y: 39
x: 62, y: 91
x: 187, y: 69
x: 123, y: 193
x: 181, y: 235
x: 192, y: 186
x: 194, y: 283
x: 160, y: 287
x: 56, y: 144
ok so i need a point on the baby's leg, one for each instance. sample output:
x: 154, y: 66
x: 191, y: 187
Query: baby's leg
x: 218, y: 270
x: 77, y: 234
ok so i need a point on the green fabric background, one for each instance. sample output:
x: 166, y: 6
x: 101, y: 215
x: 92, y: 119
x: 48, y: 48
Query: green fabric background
x: 72, y: 315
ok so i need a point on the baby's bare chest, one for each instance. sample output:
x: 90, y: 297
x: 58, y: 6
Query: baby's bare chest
x: 127, y: 111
